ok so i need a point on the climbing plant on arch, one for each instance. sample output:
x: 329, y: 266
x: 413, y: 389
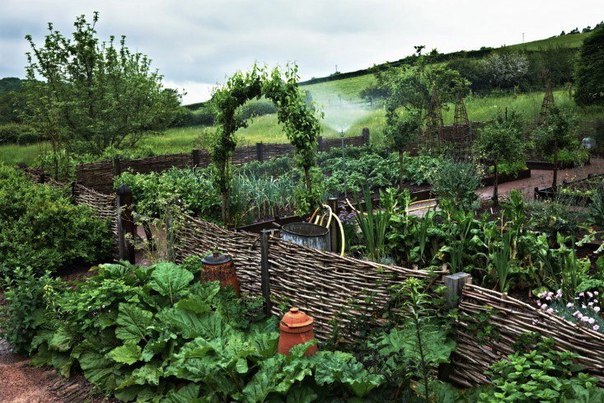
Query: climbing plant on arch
x: 299, y: 119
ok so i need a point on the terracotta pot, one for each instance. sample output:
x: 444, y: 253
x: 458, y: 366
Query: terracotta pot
x: 217, y: 267
x: 295, y: 328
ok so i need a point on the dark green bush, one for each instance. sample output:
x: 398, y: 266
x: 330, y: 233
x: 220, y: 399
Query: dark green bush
x: 204, y: 116
x: 17, y: 134
x: 41, y: 228
x: 256, y: 108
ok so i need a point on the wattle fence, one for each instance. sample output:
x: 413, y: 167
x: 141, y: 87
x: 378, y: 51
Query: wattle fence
x: 324, y: 285
x: 509, y: 318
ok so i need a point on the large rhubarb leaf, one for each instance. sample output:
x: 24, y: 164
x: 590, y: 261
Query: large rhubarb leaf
x: 128, y: 354
x: 170, y: 280
x: 133, y: 323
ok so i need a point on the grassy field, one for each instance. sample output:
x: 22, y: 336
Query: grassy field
x: 566, y: 41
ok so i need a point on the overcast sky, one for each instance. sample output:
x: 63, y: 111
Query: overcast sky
x: 197, y: 44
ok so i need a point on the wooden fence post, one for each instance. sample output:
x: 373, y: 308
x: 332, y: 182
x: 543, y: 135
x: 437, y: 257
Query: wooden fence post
x: 265, y: 275
x: 455, y: 283
x: 320, y: 141
x: 365, y: 135
x: 260, y: 152
x: 196, y: 158
x: 125, y: 223
x: 73, y: 191
x: 117, y: 166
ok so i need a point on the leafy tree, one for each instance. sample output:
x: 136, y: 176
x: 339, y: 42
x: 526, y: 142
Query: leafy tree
x: 590, y: 69
x: 500, y: 142
x: 507, y: 70
x: 11, y: 99
x: 411, y: 86
x: 409, y: 91
x: 401, y: 129
x: 557, y: 134
x: 90, y: 95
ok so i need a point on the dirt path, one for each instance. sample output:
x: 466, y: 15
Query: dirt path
x: 21, y: 382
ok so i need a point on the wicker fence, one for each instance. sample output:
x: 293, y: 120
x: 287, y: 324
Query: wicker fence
x: 99, y: 175
x: 323, y: 284
x: 509, y: 319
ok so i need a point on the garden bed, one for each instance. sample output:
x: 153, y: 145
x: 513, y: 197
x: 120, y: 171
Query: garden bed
x: 489, y: 180
x: 549, y: 166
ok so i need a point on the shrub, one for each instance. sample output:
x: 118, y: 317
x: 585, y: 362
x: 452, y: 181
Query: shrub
x: 256, y: 108
x: 41, y: 228
x: 455, y: 184
x: 541, y: 374
x: 18, y: 134
x: 22, y: 316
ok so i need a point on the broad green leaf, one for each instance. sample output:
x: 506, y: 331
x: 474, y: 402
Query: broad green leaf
x: 129, y: 353
x: 170, y: 280
x: 133, y: 323
x: 186, y: 394
x: 301, y: 394
x: 148, y: 374
x: 98, y: 370
x: 241, y: 366
x: 61, y: 340
x: 191, y: 325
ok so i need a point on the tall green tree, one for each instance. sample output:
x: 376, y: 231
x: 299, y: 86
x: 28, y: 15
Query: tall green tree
x: 590, y: 69
x: 555, y: 134
x: 500, y: 142
x: 90, y: 95
x: 408, y: 92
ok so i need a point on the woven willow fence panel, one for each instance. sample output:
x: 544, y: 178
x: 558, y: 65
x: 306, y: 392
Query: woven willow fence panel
x: 324, y: 285
x: 102, y: 204
x: 511, y: 318
x: 200, y: 238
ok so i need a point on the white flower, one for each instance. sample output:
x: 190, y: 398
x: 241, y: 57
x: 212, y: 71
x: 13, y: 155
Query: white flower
x: 577, y: 314
x: 595, y: 293
x: 591, y: 321
x: 584, y: 319
x: 589, y: 294
x: 596, y: 309
x: 548, y: 297
x: 583, y: 306
x: 590, y: 303
x: 596, y: 327
x: 570, y: 304
x: 544, y: 306
x: 558, y: 293
x: 581, y: 294
x: 550, y: 310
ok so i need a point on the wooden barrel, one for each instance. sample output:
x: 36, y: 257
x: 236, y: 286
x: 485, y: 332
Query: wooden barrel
x: 217, y: 267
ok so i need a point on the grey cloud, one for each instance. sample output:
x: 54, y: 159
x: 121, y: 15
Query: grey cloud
x: 204, y: 41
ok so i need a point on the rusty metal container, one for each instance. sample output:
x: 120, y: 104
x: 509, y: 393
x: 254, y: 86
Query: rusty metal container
x: 307, y: 234
x: 217, y: 267
x: 295, y: 328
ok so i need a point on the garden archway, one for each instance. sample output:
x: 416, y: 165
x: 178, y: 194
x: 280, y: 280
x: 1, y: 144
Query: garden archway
x: 299, y: 119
